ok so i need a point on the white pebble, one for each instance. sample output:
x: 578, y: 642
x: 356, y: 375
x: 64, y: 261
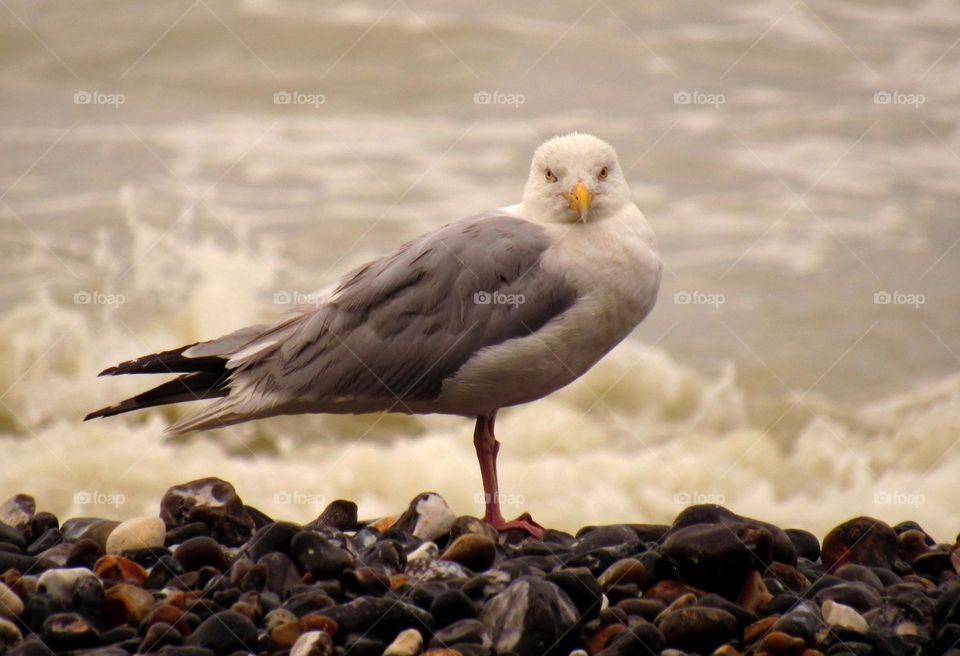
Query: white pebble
x: 407, y: 643
x: 310, y: 643
x: 836, y: 614
x: 434, y: 517
x: 137, y: 533
x: 10, y: 604
x: 59, y: 583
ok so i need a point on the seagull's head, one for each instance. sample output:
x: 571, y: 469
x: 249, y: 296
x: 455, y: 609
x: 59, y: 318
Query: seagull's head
x: 575, y: 178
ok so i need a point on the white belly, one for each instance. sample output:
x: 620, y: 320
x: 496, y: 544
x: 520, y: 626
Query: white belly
x: 615, y: 268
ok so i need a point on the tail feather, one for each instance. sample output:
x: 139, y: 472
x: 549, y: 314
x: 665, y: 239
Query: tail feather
x: 191, y: 387
x: 168, y: 362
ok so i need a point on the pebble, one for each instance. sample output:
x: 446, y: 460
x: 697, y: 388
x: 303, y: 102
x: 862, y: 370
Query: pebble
x: 838, y: 615
x: 698, y: 628
x: 472, y: 550
x: 428, y: 517
x: 529, y: 617
x: 224, y: 633
x: 137, y: 533
x: 861, y: 541
x: 17, y: 511
x: 407, y: 643
x: 312, y: 643
x: 212, y: 501
x: 219, y: 578
x: 11, y: 605
x: 59, y: 583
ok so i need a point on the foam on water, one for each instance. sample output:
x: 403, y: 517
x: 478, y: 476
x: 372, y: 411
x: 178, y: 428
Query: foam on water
x: 636, y: 439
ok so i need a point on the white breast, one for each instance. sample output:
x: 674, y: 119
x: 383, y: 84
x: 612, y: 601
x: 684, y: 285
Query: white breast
x: 615, y: 267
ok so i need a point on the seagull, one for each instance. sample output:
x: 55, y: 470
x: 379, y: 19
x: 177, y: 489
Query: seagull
x: 498, y: 309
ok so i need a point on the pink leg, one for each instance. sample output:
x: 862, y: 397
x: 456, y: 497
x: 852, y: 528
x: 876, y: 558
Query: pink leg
x: 487, y: 449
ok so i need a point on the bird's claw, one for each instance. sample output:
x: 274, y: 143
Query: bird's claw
x: 524, y: 523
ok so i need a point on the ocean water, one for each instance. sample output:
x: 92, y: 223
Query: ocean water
x: 173, y: 171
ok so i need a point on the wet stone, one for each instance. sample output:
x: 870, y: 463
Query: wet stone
x: 407, y: 643
x: 624, y: 571
x: 60, y: 583
x: 530, y: 617
x: 159, y: 635
x: 84, y: 553
x: 17, y: 511
x: 858, y: 595
x: 801, y: 622
x: 462, y: 632
x: 698, y: 628
x: 806, y: 543
x: 452, y: 605
x: 198, y: 552
x: 180, y: 534
x: 861, y: 541
x: 639, y: 639
x: 224, y: 633
x: 212, y: 501
x: 12, y: 536
x: 312, y: 643
x: 472, y: 550
x: 581, y: 588
x: 339, y: 514
x: 63, y: 631
x: 126, y: 604
x: 10, y: 634
x: 319, y: 557
x: 46, y: 540
x: 92, y: 528
x: 11, y: 605
x: 382, y: 617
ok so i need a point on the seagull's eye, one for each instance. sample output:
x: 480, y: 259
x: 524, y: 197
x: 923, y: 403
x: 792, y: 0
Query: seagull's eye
x: 603, y: 174
x: 548, y: 174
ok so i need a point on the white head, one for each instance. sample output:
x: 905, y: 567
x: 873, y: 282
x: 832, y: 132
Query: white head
x: 575, y: 177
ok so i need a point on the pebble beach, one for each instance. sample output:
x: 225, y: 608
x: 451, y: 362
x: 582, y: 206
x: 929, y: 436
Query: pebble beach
x: 208, y: 575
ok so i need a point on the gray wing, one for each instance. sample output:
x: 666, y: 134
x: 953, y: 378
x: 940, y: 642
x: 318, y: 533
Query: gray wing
x: 394, y: 329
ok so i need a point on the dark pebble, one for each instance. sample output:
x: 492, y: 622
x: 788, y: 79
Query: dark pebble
x: 224, y: 633
x: 806, y: 543
x: 581, y: 588
x: 158, y: 635
x: 641, y: 639
x: 697, y: 628
x: 212, y: 501
x: 179, y: 534
x: 319, y: 557
x: 465, y: 631
x: 450, y: 606
x: 530, y: 617
x: 196, y: 552
x: 782, y: 549
x: 744, y: 616
x: 717, y: 557
x: 339, y: 514
x: 861, y: 541
x: 383, y: 617
x: 856, y: 595
x: 11, y: 535
x: 84, y: 553
x: 270, y: 538
x: 62, y: 631
x: 47, y: 540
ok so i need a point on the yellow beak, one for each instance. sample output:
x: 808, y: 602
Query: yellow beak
x: 579, y: 199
